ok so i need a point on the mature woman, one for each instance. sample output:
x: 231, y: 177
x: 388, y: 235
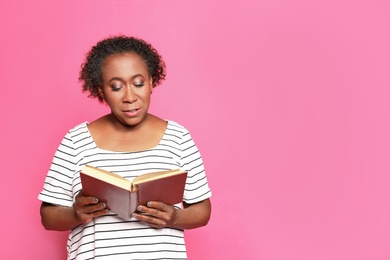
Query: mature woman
x: 122, y: 72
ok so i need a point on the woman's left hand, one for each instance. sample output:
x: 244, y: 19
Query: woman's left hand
x: 157, y: 214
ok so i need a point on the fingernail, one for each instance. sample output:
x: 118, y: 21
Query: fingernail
x: 103, y: 205
x: 96, y: 200
x: 134, y: 215
x: 149, y: 204
x: 139, y: 208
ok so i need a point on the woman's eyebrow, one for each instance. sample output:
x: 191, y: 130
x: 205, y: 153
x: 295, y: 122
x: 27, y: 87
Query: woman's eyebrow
x: 121, y: 79
x: 115, y: 78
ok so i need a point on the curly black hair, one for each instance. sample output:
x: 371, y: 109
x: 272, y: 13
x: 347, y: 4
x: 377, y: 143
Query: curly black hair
x: 91, y: 69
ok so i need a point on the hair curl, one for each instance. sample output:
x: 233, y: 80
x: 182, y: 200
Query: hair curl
x: 91, y: 69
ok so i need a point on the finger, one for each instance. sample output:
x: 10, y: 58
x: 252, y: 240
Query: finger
x: 100, y: 213
x: 157, y: 205
x: 149, y: 220
x: 86, y: 200
x: 94, y: 208
x: 163, y: 207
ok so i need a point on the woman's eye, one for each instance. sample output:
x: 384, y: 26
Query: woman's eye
x: 139, y: 84
x: 116, y: 87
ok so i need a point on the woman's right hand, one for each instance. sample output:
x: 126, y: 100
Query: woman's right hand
x: 60, y: 218
x: 86, y: 208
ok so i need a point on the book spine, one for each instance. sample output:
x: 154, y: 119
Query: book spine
x: 133, y: 200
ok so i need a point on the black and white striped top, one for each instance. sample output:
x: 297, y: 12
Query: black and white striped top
x: 110, y: 237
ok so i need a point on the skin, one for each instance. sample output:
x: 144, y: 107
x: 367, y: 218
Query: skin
x: 127, y: 90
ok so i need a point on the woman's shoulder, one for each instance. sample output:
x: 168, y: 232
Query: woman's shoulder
x: 175, y: 124
x: 99, y: 122
x: 80, y: 127
x: 176, y: 127
x: 77, y: 133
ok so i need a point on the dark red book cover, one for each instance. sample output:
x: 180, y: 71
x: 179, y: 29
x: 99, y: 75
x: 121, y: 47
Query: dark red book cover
x: 124, y: 202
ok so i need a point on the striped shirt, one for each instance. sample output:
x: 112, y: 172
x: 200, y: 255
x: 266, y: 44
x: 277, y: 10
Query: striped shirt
x: 110, y: 237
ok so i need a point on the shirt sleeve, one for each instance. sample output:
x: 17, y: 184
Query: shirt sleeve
x: 197, y: 188
x: 57, y: 188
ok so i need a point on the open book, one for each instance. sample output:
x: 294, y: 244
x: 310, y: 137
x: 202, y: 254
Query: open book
x: 123, y: 196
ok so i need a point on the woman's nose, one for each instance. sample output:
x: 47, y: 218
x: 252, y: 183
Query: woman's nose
x: 129, y: 95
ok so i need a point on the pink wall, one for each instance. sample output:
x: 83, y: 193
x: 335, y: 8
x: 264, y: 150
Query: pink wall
x: 287, y: 100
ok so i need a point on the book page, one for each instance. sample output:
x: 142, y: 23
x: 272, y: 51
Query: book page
x: 155, y: 176
x: 107, y: 176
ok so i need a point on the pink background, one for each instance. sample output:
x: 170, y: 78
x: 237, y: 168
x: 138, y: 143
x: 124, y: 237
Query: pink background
x: 286, y: 99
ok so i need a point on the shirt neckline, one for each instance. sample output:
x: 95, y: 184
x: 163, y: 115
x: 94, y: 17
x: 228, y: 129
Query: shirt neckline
x: 127, y: 152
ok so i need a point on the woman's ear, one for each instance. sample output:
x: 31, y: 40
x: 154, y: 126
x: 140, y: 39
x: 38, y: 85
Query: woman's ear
x: 151, y: 85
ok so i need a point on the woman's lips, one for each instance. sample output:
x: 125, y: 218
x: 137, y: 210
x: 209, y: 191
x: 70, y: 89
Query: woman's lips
x: 131, y: 112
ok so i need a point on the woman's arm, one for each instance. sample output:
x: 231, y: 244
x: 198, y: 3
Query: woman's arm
x: 193, y: 215
x: 57, y: 217
x: 159, y: 215
x: 60, y: 218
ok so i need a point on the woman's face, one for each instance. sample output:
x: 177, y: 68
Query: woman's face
x: 126, y: 87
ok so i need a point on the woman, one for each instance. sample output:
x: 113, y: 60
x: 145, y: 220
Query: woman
x: 122, y: 72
